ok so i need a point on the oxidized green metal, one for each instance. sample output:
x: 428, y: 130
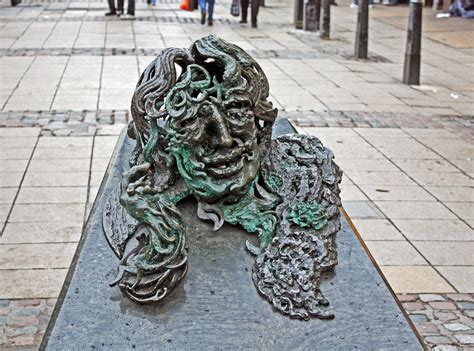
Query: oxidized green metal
x: 205, y: 132
x: 308, y: 214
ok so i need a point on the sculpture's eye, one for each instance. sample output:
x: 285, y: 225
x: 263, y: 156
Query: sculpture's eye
x: 239, y: 116
x: 238, y: 104
x: 234, y: 105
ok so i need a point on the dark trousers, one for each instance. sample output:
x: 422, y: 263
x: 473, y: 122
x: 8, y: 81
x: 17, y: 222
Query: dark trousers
x: 253, y: 10
x: 130, y: 9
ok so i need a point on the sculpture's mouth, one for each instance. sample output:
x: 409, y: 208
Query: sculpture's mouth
x: 227, y: 169
x: 223, y: 163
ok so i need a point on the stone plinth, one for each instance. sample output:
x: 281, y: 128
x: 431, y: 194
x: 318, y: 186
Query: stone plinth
x: 217, y: 305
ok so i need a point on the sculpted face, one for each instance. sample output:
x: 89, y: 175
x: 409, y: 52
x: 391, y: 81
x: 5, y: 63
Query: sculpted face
x: 212, y: 133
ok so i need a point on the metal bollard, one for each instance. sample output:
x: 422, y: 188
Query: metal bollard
x: 318, y: 14
x: 411, y: 67
x: 362, y: 30
x: 326, y: 27
x: 298, y: 14
x: 310, y: 20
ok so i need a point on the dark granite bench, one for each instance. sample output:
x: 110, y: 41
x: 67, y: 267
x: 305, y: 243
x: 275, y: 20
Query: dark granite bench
x: 217, y: 305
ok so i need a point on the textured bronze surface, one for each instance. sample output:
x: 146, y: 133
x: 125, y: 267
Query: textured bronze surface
x: 202, y: 123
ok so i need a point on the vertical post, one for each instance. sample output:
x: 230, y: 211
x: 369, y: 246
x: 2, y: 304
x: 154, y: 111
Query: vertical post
x: 318, y: 13
x: 362, y: 30
x: 325, y: 30
x: 446, y: 4
x: 298, y: 14
x: 411, y: 67
x: 309, y: 20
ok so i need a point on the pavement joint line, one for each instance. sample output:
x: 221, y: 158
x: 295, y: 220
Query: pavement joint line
x: 298, y: 83
x: 102, y: 68
x: 38, y: 243
x: 21, y: 35
x: 413, y: 179
x: 447, y: 160
x: 18, y: 83
x: 19, y: 186
x: 67, y: 62
x: 49, y: 35
x: 61, y: 119
x: 99, y: 51
x: 160, y: 19
x: 158, y: 29
x: 424, y: 187
x: 391, y: 221
x: 136, y: 49
x: 86, y: 212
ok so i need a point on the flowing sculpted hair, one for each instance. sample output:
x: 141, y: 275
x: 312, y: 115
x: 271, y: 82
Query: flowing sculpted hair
x: 236, y: 71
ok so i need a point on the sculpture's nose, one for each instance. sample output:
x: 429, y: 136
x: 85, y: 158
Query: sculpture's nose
x: 217, y: 130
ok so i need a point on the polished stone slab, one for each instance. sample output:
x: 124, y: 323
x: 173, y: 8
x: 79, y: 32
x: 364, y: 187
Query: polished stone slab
x: 217, y: 305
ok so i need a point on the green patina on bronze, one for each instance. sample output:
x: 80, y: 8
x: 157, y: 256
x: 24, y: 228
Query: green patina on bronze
x: 274, y: 182
x: 254, y: 214
x: 202, y: 124
x: 308, y: 215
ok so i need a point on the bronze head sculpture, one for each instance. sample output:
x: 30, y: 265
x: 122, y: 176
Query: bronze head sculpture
x: 202, y: 124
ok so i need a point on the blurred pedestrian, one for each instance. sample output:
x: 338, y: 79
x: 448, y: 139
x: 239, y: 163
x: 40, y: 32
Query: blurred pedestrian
x: 355, y: 4
x: 253, y: 11
x: 130, y: 15
x: 112, y: 9
x: 210, y: 11
x: 151, y: 3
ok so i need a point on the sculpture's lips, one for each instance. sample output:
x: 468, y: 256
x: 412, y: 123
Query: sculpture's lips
x: 227, y: 169
x: 218, y: 158
x: 227, y: 162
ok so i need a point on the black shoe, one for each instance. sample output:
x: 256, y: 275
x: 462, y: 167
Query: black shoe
x: 243, y: 21
x: 254, y: 25
x: 203, y: 17
x: 209, y: 23
x: 111, y: 13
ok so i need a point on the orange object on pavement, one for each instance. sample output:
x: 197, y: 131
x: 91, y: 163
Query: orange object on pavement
x: 185, y: 5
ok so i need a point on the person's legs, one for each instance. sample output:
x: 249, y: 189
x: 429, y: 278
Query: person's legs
x: 202, y: 7
x: 210, y: 10
x: 244, y: 5
x: 254, y: 12
x: 131, y: 8
x: 112, y: 8
x: 120, y: 7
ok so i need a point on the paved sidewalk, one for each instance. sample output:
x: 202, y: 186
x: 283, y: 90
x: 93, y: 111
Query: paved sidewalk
x: 66, y: 79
